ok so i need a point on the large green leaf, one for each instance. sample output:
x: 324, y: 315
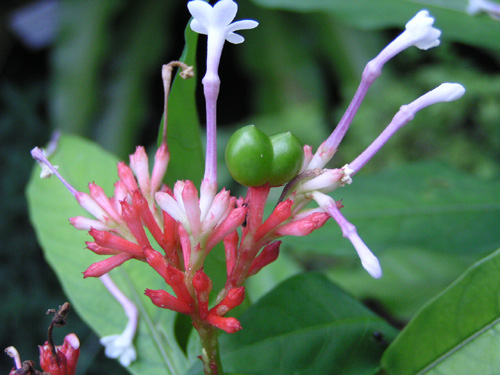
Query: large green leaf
x: 425, y: 205
x: 450, y: 15
x: 306, y: 325
x: 81, y: 161
x: 411, y: 277
x: 457, y: 332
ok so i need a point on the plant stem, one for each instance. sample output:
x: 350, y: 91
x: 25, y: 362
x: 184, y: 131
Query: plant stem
x: 210, y: 350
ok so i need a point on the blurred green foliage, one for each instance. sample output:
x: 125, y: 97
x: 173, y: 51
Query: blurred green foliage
x: 100, y: 78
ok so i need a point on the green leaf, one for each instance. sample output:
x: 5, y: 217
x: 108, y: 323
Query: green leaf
x: 423, y: 205
x: 81, y: 161
x: 183, y: 132
x: 411, y: 277
x: 306, y: 325
x: 455, y: 333
x: 450, y: 16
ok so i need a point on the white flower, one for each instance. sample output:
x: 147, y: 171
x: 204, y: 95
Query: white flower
x: 446, y: 92
x: 369, y: 261
x: 217, y: 20
x: 477, y: 6
x: 421, y: 31
x: 121, y: 347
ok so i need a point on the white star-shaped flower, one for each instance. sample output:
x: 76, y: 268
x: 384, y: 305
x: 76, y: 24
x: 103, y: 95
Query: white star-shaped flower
x: 121, y: 347
x: 420, y: 29
x: 216, y: 20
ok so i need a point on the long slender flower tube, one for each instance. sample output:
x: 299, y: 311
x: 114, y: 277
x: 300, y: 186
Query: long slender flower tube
x: 419, y: 33
x: 313, y: 182
x: 327, y: 180
x: 215, y: 22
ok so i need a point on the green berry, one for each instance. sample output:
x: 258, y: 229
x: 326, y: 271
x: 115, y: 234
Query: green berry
x: 249, y: 154
x: 288, y: 156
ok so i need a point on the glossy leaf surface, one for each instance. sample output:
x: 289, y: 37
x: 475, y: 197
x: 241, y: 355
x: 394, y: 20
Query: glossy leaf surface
x: 306, y: 325
x: 455, y: 333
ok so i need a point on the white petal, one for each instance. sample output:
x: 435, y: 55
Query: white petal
x: 201, y: 11
x: 234, y: 38
x: 197, y: 27
x: 420, y: 28
x: 368, y: 260
x: 119, y: 346
x: 223, y: 13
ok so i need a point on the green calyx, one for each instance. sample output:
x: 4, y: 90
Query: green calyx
x: 254, y: 159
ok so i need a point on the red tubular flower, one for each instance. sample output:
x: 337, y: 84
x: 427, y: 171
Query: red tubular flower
x: 228, y: 225
x: 304, y: 226
x: 167, y: 301
x: 191, y: 207
x: 231, y: 249
x: 104, y: 266
x: 233, y: 299
x: 203, y: 285
x: 157, y: 261
x: 256, y: 199
x: 127, y: 176
x: 268, y: 255
x: 230, y: 325
x: 175, y: 278
x: 112, y: 241
x: 185, y: 244
x: 101, y: 250
x: 142, y: 208
x: 134, y: 223
x: 64, y: 363
x: 162, y: 158
x: 98, y: 194
x: 278, y: 216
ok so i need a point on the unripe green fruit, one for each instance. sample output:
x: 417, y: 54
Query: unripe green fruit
x: 248, y: 156
x: 254, y: 159
x: 288, y: 156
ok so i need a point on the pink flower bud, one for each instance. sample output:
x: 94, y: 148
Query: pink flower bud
x: 127, y: 176
x: 64, y: 363
x: 142, y: 208
x: 282, y: 212
x: 230, y: 224
x: 230, y: 325
x: 268, y: 255
x: 98, y: 194
x: 106, y: 239
x: 140, y: 165
x: 304, y: 226
x: 167, y: 301
x: 185, y: 245
x: 91, y: 206
x: 100, y: 250
x: 162, y: 158
x: 231, y: 248
x: 157, y: 261
x: 233, y: 299
x: 134, y: 223
x: 104, y: 266
x: 55, y: 365
x: 192, y: 208
x: 175, y: 278
x: 84, y: 223
x: 71, y: 350
x: 203, y: 285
